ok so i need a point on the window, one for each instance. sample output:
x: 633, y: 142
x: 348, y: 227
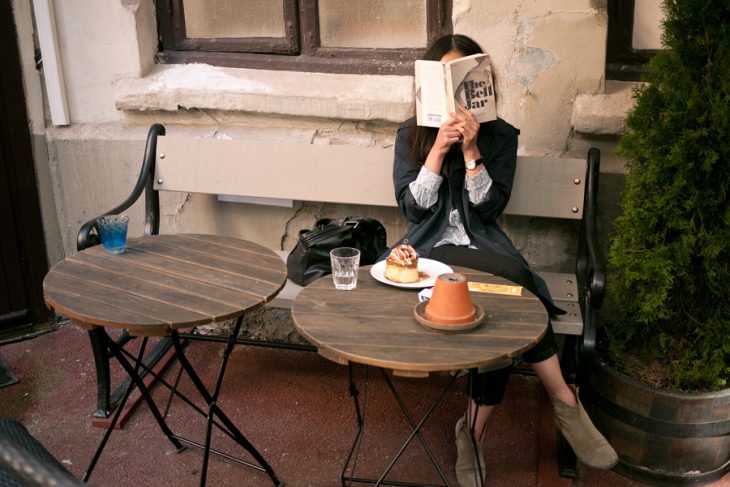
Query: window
x: 336, y: 36
x: 634, y: 36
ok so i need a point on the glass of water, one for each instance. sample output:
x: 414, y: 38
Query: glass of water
x: 113, y: 232
x: 345, y: 264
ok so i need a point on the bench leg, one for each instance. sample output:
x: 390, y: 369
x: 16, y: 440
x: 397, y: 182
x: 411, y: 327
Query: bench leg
x: 566, y: 458
x: 103, y: 380
x: 569, y: 367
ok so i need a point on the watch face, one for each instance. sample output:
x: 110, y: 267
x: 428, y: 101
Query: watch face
x: 470, y: 164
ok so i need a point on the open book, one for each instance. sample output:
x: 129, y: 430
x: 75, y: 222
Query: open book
x: 466, y: 81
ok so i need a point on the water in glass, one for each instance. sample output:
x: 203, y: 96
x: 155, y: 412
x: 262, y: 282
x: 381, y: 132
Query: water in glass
x: 345, y: 265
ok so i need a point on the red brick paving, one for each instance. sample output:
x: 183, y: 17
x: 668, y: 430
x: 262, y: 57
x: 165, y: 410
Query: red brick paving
x: 294, y: 406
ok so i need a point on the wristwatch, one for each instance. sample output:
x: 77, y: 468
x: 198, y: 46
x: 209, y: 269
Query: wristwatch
x: 472, y: 163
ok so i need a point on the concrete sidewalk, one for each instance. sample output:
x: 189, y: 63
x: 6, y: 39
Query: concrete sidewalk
x: 293, y: 406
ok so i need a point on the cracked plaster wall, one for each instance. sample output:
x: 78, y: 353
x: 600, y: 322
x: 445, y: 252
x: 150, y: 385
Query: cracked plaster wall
x: 546, y: 54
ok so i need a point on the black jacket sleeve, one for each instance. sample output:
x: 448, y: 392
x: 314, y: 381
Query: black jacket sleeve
x: 500, y: 146
x: 404, y: 172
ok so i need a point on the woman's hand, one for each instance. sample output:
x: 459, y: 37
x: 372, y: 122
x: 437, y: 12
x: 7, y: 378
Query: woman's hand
x: 449, y: 134
x: 468, y: 127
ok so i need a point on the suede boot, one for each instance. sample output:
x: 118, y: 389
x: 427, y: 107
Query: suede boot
x: 467, y: 470
x: 587, y: 442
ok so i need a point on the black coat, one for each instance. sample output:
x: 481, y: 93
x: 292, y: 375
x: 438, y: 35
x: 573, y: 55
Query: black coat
x: 497, y: 143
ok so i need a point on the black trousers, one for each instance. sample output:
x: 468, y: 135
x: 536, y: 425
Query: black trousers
x: 488, y: 388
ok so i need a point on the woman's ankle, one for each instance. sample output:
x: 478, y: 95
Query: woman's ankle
x: 567, y: 395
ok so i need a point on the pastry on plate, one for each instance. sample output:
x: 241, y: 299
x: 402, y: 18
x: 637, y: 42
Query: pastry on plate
x: 402, y: 265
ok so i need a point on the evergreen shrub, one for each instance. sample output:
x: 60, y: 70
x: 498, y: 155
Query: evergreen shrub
x: 669, y: 262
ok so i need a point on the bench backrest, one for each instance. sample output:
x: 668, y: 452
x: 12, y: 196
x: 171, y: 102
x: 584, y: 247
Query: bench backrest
x: 545, y: 187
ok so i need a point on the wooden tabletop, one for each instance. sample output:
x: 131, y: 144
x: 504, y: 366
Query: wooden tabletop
x: 164, y: 282
x: 374, y: 325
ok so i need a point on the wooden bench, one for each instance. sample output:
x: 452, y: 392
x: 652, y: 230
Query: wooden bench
x: 555, y: 188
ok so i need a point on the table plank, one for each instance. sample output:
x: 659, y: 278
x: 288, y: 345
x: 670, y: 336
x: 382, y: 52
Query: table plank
x: 218, y: 276
x: 392, y: 327
x: 163, y: 312
x: 228, y: 248
x: 422, y: 360
x: 175, y: 296
x: 105, y: 263
x: 264, y: 253
x: 93, y: 313
x: 242, y: 264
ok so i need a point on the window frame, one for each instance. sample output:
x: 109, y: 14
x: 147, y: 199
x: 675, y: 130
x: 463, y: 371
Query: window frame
x: 623, y: 62
x: 298, y: 50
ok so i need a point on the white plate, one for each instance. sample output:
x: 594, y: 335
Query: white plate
x: 433, y: 268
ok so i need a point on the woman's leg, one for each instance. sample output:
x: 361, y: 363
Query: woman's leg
x: 549, y: 373
x: 478, y: 414
x: 589, y: 445
x: 570, y: 417
x: 485, y: 390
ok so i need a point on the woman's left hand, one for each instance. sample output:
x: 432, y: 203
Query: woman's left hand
x: 469, y: 128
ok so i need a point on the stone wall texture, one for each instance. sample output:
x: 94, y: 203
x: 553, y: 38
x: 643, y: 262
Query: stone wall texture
x: 549, y: 57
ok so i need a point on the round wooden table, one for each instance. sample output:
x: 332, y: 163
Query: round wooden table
x: 164, y: 282
x: 374, y: 325
x: 159, y: 285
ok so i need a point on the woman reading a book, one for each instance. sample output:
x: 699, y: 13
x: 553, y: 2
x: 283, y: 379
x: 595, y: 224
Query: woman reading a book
x: 452, y: 183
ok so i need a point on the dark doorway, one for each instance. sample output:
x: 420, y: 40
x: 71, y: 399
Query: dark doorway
x: 23, y: 260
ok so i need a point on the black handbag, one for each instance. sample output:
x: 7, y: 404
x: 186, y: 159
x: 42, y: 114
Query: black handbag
x: 310, y: 258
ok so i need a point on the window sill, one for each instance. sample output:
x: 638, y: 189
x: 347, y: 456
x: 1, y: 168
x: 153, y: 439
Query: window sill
x: 342, y: 96
x: 604, y: 114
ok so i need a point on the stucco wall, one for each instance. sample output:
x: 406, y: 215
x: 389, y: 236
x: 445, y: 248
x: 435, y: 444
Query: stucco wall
x: 547, y: 54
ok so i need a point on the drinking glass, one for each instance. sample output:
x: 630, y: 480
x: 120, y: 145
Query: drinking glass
x: 345, y: 264
x: 113, y: 232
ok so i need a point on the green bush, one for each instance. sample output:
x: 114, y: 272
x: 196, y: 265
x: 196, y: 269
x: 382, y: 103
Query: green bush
x: 669, y: 261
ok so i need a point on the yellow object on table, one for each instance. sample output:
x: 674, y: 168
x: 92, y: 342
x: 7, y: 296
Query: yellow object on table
x: 483, y: 287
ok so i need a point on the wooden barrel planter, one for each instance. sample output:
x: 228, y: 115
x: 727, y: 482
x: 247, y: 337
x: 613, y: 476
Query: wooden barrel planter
x: 661, y: 438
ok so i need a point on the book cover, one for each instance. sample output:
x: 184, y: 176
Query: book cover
x: 466, y: 81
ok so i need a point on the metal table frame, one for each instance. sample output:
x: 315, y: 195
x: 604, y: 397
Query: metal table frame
x: 348, y: 476
x: 133, y: 365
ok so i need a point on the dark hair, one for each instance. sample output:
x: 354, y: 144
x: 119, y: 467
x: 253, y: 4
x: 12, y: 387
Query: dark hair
x: 422, y: 138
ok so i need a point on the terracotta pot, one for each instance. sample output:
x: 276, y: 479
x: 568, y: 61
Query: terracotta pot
x: 450, y: 301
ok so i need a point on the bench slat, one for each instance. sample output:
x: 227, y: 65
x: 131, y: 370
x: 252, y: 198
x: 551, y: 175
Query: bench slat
x: 564, y: 290
x: 543, y: 187
x: 331, y: 173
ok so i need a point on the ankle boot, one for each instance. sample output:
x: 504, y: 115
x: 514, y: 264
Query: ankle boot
x: 587, y: 442
x: 468, y: 473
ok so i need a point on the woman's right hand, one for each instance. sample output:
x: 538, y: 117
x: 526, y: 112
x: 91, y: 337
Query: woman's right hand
x: 448, y: 135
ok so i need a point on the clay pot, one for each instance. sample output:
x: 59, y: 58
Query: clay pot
x: 450, y: 302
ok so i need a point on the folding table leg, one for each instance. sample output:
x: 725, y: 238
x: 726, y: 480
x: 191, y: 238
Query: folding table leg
x: 569, y: 366
x: 360, y: 417
x: 416, y: 427
x: 214, y: 410
x: 348, y: 480
x: 133, y: 373
x: 479, y: 479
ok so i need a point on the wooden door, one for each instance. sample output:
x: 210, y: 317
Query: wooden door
x: 23, y: 260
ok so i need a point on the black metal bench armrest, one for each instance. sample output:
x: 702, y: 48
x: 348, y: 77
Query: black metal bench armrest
x: 597, y: 274
x: 144, y: 182
x: 590, y: 270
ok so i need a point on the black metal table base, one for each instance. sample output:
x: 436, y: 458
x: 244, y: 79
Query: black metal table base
x: 348, y: 472
x: 133, y: 366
